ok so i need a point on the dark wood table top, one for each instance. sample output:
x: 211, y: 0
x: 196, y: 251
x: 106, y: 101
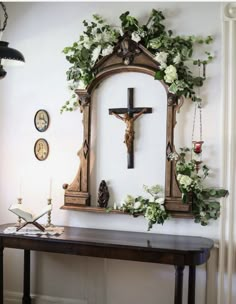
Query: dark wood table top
x: 123, y: 245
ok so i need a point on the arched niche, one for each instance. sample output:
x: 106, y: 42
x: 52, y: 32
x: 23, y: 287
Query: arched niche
x: 128, y: 56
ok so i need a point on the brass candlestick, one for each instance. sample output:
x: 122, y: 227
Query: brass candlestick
x: 49, y: 223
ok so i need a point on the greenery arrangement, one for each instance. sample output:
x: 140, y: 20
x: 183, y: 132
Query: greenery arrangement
x: 173, y: 53
x: 205, y: 203
x: 152, y: 208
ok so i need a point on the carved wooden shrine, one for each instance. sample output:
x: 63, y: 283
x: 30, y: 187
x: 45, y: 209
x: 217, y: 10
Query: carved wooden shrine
x: 128, y: 56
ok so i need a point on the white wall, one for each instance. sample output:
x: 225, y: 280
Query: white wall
x: 41, y: 31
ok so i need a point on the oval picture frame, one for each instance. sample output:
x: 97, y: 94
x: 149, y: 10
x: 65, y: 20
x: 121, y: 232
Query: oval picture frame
x: 41, y: 149
x: 41, y: 120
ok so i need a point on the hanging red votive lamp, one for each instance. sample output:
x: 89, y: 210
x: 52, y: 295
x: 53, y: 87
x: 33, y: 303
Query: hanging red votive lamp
x: 197, y: 146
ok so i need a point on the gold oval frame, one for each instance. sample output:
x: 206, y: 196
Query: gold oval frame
x: 41, y: 149
x: 41, y: 120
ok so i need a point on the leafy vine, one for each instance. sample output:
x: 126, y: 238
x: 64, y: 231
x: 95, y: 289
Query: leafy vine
x: 173, y: 53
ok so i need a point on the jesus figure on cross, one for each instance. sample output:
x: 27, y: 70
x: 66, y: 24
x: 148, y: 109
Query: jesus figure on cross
x: 129, y: 131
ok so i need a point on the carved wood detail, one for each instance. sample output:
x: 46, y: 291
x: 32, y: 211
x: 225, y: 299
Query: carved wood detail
x: 128, y: 56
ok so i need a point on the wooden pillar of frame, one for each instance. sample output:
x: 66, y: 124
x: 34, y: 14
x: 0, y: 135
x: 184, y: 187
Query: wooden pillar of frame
x: 77, y: 193
x: 173, y: 200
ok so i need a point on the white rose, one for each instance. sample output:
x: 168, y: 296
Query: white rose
x: 161, y: 58
x: 95, y: 54
x: 107, y: 51
x: 137, y: 205
x: 184, y: 180
x: 177, y: 59
x: 160, y: 200
x: 81, y: 85
x: 135, y: 37
x: 86, y: 42
x: 107, y: 37
x: 98, y: 38
x: 171, y: 74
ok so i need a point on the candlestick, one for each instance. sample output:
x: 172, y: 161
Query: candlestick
x: 18, y: 224
x: 49, y: 223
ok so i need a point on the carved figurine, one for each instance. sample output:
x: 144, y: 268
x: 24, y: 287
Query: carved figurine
x: 129, y: 131
x: 103, y: 195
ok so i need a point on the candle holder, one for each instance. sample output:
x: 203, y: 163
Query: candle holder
x: 197, y: 153
x: 49, y: 223
x: 18, y: 224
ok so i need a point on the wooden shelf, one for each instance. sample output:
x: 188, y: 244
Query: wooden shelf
x: 92, y: 209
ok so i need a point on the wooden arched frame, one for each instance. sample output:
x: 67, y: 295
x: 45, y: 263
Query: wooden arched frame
x: 128, y: 56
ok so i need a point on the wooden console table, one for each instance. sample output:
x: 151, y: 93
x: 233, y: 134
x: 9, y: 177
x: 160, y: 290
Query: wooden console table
x: 179, y: 251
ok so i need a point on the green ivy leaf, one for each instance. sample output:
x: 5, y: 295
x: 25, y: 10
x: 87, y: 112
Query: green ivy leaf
x: 159, y: 75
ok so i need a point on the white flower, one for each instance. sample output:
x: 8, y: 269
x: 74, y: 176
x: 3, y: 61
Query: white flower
x: 160, y: 200
x: 81, y: 85
x: 86, y: 42
x: 184, y: 180
x: 137, y: 205
x: 171, y: 74
x: 177, y: 59
x: 129, y: 199
x: 121, y: 32
x: 173, y: 156
x: 97, y: 38
x: 108, y: 50
x: 135, y: 37
x: 156, y: 189
x: 72, y: 85
x: 107, y: 36
x: 95, y: 54
x: 202, y: 214
x: 161, y: 58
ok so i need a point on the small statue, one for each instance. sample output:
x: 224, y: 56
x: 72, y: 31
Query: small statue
x: 103, y: 195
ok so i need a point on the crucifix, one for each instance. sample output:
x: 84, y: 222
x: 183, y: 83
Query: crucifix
x: 128, y: 116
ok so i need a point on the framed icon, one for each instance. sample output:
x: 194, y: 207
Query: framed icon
x: 41, y: 120
x: 41, y: 149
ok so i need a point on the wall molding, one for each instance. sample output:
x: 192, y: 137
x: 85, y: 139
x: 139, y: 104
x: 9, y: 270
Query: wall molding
x: 11, y: 297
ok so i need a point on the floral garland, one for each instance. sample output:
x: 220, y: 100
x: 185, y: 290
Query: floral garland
x: 173, y: 53
x: 205, y: 203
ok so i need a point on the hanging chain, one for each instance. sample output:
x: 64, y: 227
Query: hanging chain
x: 198, y: 104
x: 194, y: 119
x: 5, y: 17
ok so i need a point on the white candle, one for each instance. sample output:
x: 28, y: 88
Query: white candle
x: 20, y: 189
x: 114, y: 206
x: 50, y: 188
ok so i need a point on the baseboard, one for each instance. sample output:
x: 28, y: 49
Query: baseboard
x: 11, y: 297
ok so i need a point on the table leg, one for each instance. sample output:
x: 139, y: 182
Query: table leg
x: 26, y: 296
x: 179, y: 273
x: 191, y: 284
x: 1, y: 272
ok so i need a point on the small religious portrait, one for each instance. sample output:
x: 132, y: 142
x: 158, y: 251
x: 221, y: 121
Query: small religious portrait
x: 41, y: 120
x: 41, y: 149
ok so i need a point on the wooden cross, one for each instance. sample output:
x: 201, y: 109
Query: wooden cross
x: 129, y: 115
